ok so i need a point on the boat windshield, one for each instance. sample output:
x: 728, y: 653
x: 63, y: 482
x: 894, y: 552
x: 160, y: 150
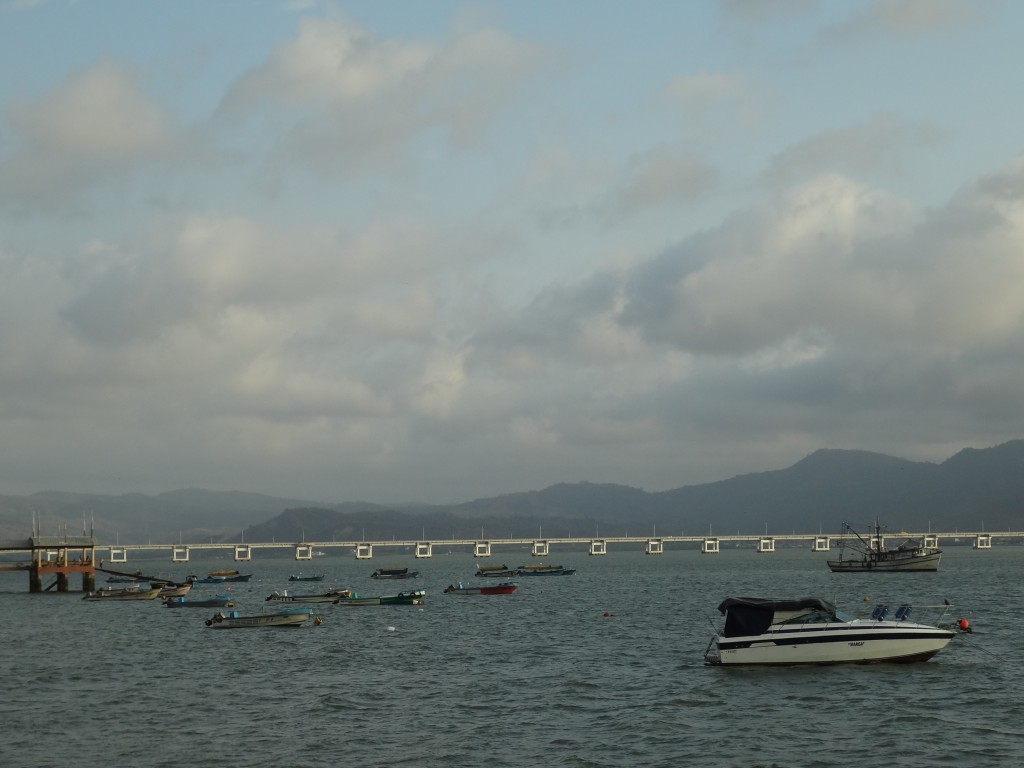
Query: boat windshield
x: 842, y: 616
x: 814, y: 617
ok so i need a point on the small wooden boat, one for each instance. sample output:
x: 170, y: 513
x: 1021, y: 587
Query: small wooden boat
x: 496, y: 571
x: 172, y: 590
x: 394, y: 573
x: 505, y: 588
x: 218, y: 577
x: 402, y: 598
x: 327, y: 597
x: 193, y: 579
x: 299, y: 577
x: 287, y: 617
x: 127, y: 593
x: 223, y: 573
x: 544, y: 570
x: 217, y: 601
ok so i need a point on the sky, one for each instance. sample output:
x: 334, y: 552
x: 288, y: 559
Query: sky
x: 438, y: 251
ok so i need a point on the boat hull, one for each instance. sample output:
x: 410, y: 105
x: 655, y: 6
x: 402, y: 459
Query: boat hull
x: 284, y: 619
x: 117, y: 595
x: 402, y: 598
x: 214, y: 602
x: 909, y: 564
x: 886, y: 642
x: 544, y: 570
x: 497, y: 589
x: 327, y: 597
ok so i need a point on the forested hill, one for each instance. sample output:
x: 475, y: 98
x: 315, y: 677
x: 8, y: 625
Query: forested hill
x: 974, y: 489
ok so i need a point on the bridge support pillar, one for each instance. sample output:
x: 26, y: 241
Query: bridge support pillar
x: 598, y: 547
x: 982, y: 541
x: 118, y: 555
x: 766, y: 545
x: 654, y: 547
x: 820, y: 544
x: 709, y: 547
x: 424, y: 549
x: 540, y: 548
x: 303, y: 552
x: 179, y: 554
x: 930, y: 542
x: 243, y: 553
x: 364, y: 551
x: 482, y: 549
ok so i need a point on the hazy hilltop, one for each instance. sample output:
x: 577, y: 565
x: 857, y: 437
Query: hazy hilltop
x: 976, y: 488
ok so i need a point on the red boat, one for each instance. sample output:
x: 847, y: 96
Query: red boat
x: 505, y: 588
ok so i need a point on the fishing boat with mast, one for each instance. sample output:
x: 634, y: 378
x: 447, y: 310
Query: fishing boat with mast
x: 858, y: 554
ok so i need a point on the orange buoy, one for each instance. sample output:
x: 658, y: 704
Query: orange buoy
x: 964, y: 624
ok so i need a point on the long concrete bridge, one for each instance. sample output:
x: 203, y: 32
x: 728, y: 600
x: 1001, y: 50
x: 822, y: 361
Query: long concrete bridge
x: 63, y: 556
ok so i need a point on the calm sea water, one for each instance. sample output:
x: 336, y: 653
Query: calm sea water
x: 539, y: 678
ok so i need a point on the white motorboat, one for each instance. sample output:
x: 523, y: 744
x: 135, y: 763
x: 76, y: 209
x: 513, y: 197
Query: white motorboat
x: 811, y: 631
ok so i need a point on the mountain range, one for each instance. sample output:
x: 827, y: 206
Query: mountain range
x: 976, y: 489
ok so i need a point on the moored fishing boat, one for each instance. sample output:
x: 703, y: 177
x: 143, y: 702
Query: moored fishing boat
x: 327, y: 597
x: 125, y: 593
x: 300, y: 577
x: 415, y: 597
x: 217, y: 601
x: 394, y: 573
x: 286, y: 617
x: 860, y: 555
x: 544, y: 570
x: 496, y: 571
x: 811, y: 631
x: 218, y: 577
x: 505, y: 588
x: 172, y: 590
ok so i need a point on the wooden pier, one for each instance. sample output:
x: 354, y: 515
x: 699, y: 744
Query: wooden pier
x: 58, y: 556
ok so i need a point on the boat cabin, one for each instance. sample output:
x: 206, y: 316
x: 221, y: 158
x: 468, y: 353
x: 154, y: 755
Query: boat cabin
x: 747, y: 616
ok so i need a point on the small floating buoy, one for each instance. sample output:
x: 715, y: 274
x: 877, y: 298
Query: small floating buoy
x: 965, y: 625
x: 391, y: 629
x: 867, y: 598
x: 318, y: 621
x: 607, y: 615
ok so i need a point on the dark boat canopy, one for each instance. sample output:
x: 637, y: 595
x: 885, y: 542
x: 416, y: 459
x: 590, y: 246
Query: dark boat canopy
x: 753, y: 615
x: 770, y: 604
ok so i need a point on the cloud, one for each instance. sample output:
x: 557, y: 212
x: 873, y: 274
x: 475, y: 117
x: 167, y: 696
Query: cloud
x: 904, y: 18
x: 831, y: 314
x: 93, y: 127
x: 878, y: 143
x: 353, y: 97
x: 701, y: 92
x: 750, y: 12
